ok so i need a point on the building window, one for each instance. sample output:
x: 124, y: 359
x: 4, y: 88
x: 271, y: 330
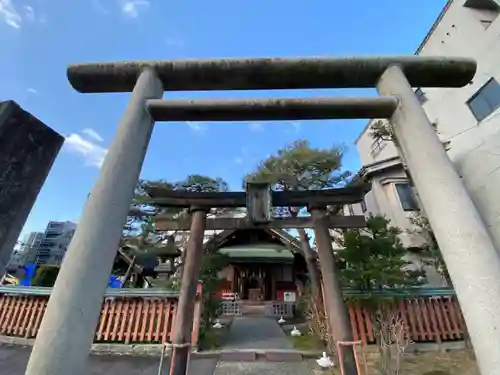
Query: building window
x: 420, y: 96
x: 486, y: 23
x: 486, y: 11
x: 363, y: 206
x: 406, y: 197
x: 486, y: 100
x: 377, y: 145
x: 483, y: 5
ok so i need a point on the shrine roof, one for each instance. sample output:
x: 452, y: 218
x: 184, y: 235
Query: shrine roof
x: 258, y: 251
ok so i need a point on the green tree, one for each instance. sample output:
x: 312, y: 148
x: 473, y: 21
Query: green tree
x: 45, y: 276
x: 140, y: 235
x: 213, y: 262
x: 382, y: 130
x: 373, y: 258
x: 202, y: 184
x: 373, y: 261
x: 301, y: 167
x: 429, y: 250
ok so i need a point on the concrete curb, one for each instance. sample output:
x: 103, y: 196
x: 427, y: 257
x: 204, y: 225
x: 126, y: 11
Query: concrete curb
x: 155, y: 349
x: 99, y: 349
x: 258, y: 352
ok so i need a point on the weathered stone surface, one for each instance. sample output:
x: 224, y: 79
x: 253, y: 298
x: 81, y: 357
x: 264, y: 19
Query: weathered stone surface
x: 283, y: 357
x: 28, y: 149
x: 271, y: 109
x: 262, y: 368
x: 272, y: 73
x: 238, y: 357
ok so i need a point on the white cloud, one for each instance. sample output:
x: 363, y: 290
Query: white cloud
x: 296, y: 125
x: 92, y: 134
x: 30, y: 13
x: 197, y: 126
x: 256, y: 127
x: 92, y: 152
x: 9, y: 14
x: 132, y: 8
x: 238, y: 160
x: 31, y: 90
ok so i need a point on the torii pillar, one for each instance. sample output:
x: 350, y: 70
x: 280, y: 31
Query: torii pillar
x: 469, y: 253
x: 64, y: 337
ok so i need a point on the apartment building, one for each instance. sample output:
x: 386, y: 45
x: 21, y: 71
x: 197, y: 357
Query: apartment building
x: 466, y: 120
x: 55, y: 242
x: 29, y: 247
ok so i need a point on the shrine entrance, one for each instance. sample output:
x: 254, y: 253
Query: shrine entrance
x: 253, y: 267
x: 255, y: 289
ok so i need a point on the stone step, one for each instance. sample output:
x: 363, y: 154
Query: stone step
x: 257, y: 310
x: 253, y: 308
x: 262, y: 368
x: 270, y: 356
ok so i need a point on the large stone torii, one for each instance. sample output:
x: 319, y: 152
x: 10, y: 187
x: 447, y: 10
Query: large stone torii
x: 67, y: 329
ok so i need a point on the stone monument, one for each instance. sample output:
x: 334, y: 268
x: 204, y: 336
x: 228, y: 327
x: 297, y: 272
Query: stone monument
x: 28, y: 149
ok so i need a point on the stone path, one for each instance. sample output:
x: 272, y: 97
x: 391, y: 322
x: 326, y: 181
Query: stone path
x: 13, y: 361
x: 254, y: 332
x: 262, y: 368
x: 261, y: 334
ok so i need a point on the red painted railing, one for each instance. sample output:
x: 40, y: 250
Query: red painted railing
x: 149, y: 319
x: 427, y: 319
x: 123, y: 319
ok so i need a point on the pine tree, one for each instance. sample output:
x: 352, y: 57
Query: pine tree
x: 301, y: 167
x: 373, y: 258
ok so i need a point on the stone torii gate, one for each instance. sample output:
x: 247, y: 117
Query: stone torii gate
x: 259, y: 200
x: 67, y: 329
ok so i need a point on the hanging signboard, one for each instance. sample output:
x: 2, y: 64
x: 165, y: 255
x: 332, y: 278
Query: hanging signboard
x: 289, y: 296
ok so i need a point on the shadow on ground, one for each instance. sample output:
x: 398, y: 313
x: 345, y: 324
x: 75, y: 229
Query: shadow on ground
x: 13, y: 361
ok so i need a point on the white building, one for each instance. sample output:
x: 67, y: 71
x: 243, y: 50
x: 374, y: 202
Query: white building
x: 55, y: 242
x: 467, y: 119
x: 391, y: 196
x: 29, y: 247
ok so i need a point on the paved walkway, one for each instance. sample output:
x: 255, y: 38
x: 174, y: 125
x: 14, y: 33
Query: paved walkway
x: 13, y: 361
x: 254, y: 332
x: 262, y: 368
x: 261, y: 333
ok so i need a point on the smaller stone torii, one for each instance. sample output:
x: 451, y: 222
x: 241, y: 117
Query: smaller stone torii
x: 259, y: 200
x: 67, y: 329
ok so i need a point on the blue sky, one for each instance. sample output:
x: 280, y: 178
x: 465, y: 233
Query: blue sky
x: 39, y: 38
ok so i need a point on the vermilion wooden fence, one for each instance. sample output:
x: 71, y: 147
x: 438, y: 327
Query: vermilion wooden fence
x: 127, y: 318
x: 427, y: 319
x: 123, y: 319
